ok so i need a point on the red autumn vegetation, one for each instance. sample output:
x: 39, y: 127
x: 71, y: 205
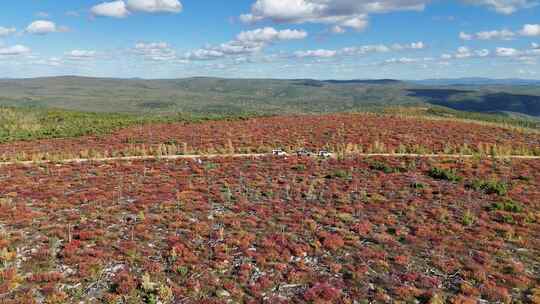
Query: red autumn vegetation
x: 270, y: 230
x: 358, y: 132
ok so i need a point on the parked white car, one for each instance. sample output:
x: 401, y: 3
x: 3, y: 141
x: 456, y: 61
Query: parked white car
x: 325, y: 154
x: 279, y: 152
x: 304, y: 153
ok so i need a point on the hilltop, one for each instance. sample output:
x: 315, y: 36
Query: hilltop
x: 211, y: 215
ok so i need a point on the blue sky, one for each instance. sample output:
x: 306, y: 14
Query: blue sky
x: 339, y: 39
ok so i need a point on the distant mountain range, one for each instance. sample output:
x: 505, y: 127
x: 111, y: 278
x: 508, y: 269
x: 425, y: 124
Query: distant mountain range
x: 476, y: 81
x: 205, y: 95
x: 431, y: 81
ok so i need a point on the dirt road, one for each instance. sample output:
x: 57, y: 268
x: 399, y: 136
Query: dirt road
x: 209, y: 156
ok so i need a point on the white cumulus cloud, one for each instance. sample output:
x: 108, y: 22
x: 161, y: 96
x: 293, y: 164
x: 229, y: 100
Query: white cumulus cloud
x: 447, y: 56
x: 52, y: 62
x: 6, y: 31
x: 464, y: 52
x: 354, y: 14
x: 154, y: 6
x: 42, y: 27
x: 506, y: 7
x: 507, y: 52
x: 482, y: 52
x: 465, y: 36
x: 114, y: 9
x: 361, y: 50
x: 157, y: 51
x: 370, y: 48
x: 411, y: 46
x: 204, y: 54
x: 269, y: 34
x: 122, y: 9
x: 245, y: 43
x: 14, y: 50
x: 336, y: 29
x: 502, y: 35
x: 489, y: 35
x: 316, y: 53
x: 402, y: 60
x: 342, y: 13
x: 530, y: 30
x: 80, y: 54
x: 418, y: 45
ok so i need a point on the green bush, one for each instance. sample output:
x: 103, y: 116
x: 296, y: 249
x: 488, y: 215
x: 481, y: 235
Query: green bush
x: 210, y: 166
x: 490, y: 187
x: 340, y: 174
x: 444, y: 174
x: 417, y: 185
x: 380, y: 166
x: 524, y: 178
x: 299, y: 167
x: 468, y: 218
x: 508, y: 206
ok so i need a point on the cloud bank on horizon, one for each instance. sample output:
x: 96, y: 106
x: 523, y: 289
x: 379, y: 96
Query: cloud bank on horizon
x: 406, y: 39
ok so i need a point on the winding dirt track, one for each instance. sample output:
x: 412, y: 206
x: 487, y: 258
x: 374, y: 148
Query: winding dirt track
x: 207, y: 156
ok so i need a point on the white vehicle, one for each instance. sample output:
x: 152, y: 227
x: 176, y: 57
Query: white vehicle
x: 279, y: 152
x: 304, y: 153
x: 325, y: 154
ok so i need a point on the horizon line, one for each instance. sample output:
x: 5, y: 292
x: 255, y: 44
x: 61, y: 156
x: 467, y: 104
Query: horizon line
x: 274, y: 78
